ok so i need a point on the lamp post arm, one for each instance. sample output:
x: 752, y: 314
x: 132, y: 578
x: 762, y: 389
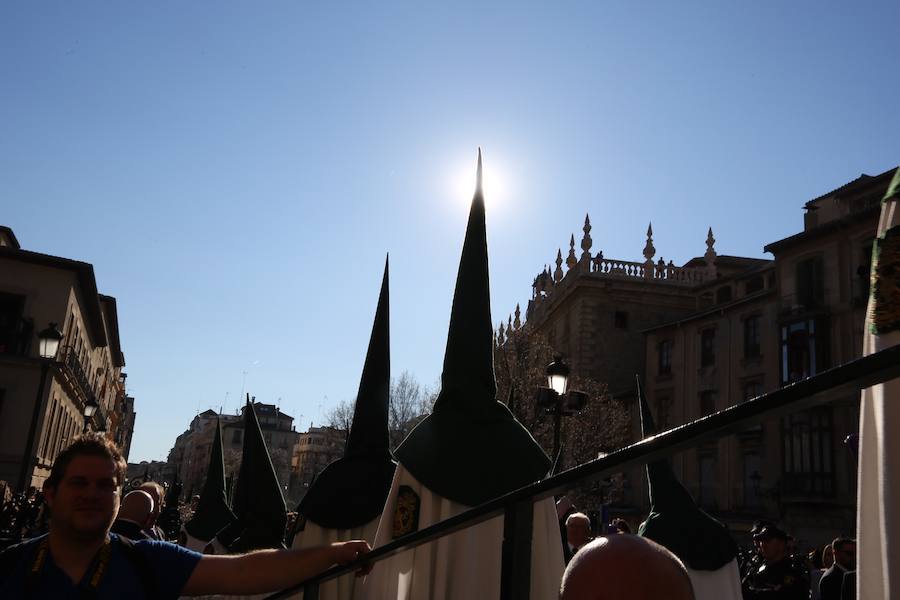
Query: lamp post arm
x: 28, y: 456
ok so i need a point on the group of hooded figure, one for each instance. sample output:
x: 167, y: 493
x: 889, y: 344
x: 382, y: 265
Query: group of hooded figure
x: 469, y: 450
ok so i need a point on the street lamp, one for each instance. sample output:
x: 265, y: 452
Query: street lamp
x: 558, y: 400
x: 90, y: 407
x: 558, y: 375
x: 48, y: 346
x: 49, y: 340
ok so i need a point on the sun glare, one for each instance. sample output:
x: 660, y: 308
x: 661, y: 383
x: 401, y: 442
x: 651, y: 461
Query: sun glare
x: 462, y: 184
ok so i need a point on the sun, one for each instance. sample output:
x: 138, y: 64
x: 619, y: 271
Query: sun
x: 494, y: 183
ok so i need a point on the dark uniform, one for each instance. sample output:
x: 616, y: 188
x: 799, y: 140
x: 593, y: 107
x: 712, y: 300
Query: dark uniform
x: 780, y: 580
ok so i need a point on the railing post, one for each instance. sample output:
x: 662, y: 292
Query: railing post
x: 311, y: 591
x: 515, y: 573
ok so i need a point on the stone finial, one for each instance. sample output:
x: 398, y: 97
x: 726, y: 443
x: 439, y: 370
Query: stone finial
x: 710, y: 256
x: 649, y: 250
x: 518, y: 322
x: 586, y: 241
x: 500, y: 337
x: 509, y: 327
x: 558, y: 273
x: 571, y: 261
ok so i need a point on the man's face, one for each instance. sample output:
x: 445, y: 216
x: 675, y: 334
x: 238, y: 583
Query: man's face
x: 86, y: 500
x: 578, y: 533
x: 845, y: 555
x: 772, y: 549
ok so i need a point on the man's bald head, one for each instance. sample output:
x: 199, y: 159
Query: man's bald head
x: 137, y: 506
x: 157, y: 493
x: 625, y: 566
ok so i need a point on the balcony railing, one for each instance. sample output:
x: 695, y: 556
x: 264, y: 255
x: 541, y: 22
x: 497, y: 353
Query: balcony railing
x: 517, y: 506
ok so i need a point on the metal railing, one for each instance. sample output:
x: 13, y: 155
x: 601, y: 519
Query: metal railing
x: 517, y: 506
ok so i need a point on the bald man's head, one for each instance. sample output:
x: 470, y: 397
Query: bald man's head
x: 625, y: 566
x: 137, y: 506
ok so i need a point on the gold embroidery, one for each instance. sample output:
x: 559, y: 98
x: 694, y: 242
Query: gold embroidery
x: 885, y: 302
x: 406, y: 514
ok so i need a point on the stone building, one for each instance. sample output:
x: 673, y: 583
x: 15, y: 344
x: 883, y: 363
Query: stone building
x: 314, y: 450
x: 722, y: 329
x: 189, y: 456
x: 48, y: 396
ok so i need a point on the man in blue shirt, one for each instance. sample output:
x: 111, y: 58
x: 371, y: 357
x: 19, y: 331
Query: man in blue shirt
x: 80, y: 558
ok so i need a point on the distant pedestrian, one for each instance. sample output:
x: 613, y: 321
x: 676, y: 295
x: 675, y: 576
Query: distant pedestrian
x: 777, y: 578
x: 844, y: 562
x: 578, y: 533
x: 158, y: 493
x: 134, y: 515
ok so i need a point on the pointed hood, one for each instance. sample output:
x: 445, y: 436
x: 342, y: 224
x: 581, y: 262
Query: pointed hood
x: 351, y: 491
x: 212, y: 512
x: 675, y: 521
x: 258, y: 503
x: 468, y: 375
x: 499, y: 455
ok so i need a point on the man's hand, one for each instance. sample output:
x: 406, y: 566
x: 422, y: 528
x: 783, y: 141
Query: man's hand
x: 347, y: 552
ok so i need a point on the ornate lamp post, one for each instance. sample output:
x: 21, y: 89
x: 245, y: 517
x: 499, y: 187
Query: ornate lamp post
x: 48, y: 346
x: 557, y: 400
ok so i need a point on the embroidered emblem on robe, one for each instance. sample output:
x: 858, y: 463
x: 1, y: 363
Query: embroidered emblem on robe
x: 406, y: 515
x: 885, y: 303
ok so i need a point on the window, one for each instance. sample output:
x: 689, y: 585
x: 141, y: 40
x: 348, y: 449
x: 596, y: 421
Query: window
x: 236, y: 436
x: 12, y: 328
x: 621, y: 319
x: 751, y: 337
x: 662, y: 413
x: 863, y: 272
x: 754, y: 284
x: 808, y: 452
x: 707, y: 488
x: 752, y: 389
x: 665, y: 357
x: 723, y: 294
x: 804, y: 349
x: 810, y: 282
x: 707, y: 347
x: 707, y: 402
x: 751, y: 479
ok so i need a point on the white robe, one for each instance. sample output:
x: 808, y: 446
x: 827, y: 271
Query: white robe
x: 192, y: 543
x: 722, y: 584
x: 461, y: 566
x: 314, y: 535
x: 878, y: 493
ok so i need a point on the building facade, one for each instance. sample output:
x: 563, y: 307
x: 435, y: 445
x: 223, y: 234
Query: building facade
x: 719, y: 330
x: 44, y: 399
x: 189, y: 457
x: 314, y: 450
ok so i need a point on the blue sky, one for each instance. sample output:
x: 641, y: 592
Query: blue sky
x: 236, y: 172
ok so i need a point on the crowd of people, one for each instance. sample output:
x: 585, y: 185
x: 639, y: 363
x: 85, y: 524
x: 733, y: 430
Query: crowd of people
x: 22, y: 515
x: 772, y: 569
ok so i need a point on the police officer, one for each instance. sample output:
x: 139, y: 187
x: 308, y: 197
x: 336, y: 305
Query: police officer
x: 777, y: 578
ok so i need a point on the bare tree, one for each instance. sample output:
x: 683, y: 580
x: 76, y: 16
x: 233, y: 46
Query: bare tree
x: 602, y: 426
x: 410, y: 402
x: 340, y: 416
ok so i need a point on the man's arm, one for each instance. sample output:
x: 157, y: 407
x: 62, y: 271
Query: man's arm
x: 267, y: 570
